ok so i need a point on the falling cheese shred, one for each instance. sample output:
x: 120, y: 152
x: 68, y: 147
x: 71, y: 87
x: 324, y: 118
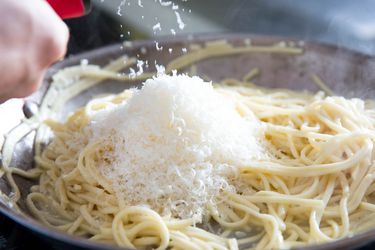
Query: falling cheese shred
x: 175, y: 145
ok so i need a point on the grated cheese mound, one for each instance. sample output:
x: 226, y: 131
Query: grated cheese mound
x: 175, y: 145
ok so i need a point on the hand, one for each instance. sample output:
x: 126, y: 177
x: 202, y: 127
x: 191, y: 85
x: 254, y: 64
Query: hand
x: 32, y: 37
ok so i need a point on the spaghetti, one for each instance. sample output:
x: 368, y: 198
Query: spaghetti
x: 316, y: 185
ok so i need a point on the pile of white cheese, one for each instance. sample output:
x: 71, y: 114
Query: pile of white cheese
x: 176, y: 145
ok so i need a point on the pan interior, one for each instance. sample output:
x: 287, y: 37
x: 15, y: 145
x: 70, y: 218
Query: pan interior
x: 346, y: 73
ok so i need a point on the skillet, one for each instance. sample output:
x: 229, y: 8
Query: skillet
x: 347, y: 73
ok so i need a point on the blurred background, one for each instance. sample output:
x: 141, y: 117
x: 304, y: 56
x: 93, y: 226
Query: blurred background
x: 346, y: 23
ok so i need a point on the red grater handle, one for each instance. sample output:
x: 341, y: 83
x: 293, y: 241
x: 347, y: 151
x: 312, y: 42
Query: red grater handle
x: 69, y: 8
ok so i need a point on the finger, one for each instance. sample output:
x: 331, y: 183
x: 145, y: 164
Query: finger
x: 51, y: 35
x: 25, y: 88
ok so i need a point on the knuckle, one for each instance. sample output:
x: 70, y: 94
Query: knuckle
x: 54, y: 45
